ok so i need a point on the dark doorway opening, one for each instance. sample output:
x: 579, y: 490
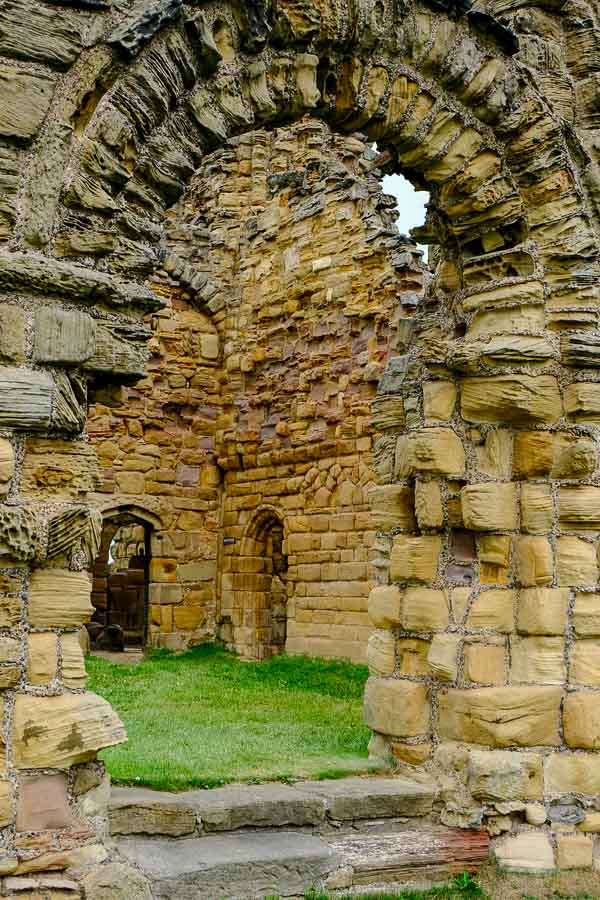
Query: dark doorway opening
x: 121, y: 584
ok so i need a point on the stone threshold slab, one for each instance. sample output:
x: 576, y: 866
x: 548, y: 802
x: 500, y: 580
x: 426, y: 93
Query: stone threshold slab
x: 308, y: 803
x: 232, y: 866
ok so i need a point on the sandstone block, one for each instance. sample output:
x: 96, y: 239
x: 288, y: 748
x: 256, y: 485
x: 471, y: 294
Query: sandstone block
x: 188, y: 618
x: 574, y: 458
x: 43, y: 803
x: 115, y: 881
x: 537, y: 660
x: 381, y: 653
x: 585, y: 663
x: 591, y: 823
x: 576, y: 562
x: 501, y: 716
x: 582, y: 720
x: 412, y: 754
x: 425, y: 610
x: 141, y: 811
x: 535, y: 814
x: 56, y: 732
x: 130, y: 482
x: 10, y: 649
x: 443, y: 656
x: 494, y: 458
x: 493, y: 609
x: 439, y: 400
x: 59, y: 599
x: 574, y: 851
x: 533, y: 454
x: 537, y: 511
x: 431, y: 451
x: 209, y: 346
x: 542, y: 611
x: 428, y: 504
x: 165, y: 593
x: 489, y: 507
x: 7, y: 465
x: 72, y: 662
x: 573, y: 773
x: 526, y: 293
x: 415, y: 558
x: 25, y: 397
x: 494, y: 558
x: 42, y: 658
x: 396, y: 707
x: 499, y: 775
x: 412, y: 656
x: 586, y: 615
x: 582, y: 402
x: 392, y: 506
x: 63, y: 336
x: 485, y: 664
x: 163, y: 569
x: 518, y: 399
x: 384, y: 606
x: 534, y: 561
x: 527, y: 853
x: 6, y: 800
x: 579, y: 508
x: 206, y: 570
x: 12, y: 333
x: 459, y: 602
x: 25, y: 101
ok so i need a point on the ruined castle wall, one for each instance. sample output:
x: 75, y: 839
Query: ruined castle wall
x: 487, y: 414
x: 155, y: 443
x: 300, y: 246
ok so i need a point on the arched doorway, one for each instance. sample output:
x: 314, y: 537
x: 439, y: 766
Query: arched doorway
x: 121, y: 582
x: 263, y: 576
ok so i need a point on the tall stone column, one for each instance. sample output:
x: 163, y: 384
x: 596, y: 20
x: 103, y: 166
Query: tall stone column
x: 51, y: 791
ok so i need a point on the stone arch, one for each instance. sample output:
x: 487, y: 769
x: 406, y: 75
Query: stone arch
x: 487, y: 455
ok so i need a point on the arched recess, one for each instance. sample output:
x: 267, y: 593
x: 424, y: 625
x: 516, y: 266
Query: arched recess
x: 258, y: 584
x: 121, y: 579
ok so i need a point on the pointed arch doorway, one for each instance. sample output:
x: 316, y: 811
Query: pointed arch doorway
x: 122, y: 581
x: 263, y: 588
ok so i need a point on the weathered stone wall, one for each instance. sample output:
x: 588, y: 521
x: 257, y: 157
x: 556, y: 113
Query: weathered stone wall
x: 488, y: 414
x: 155, y: 443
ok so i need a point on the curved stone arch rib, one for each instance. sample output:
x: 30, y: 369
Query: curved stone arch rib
x: 284, y: 95
x: 131, y: 510
x: 260, y: 523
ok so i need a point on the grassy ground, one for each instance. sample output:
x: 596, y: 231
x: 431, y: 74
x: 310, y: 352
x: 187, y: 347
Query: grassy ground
x: 463, y: 887
x: 204, y: 718
x: 490, y: 884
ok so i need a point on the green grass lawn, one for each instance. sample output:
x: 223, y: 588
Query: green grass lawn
x: 204, y: 718
x: 463, y: 887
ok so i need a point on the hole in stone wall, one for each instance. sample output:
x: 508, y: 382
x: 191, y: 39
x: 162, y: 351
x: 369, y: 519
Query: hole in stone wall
x: 410, y: 204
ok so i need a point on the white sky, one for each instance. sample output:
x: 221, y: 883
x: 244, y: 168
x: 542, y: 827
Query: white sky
x: 411, y: 203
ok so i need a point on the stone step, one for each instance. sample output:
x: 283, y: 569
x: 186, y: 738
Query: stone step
x: 233, y: 866
x: 314, y: 804
x: 265, y: 863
